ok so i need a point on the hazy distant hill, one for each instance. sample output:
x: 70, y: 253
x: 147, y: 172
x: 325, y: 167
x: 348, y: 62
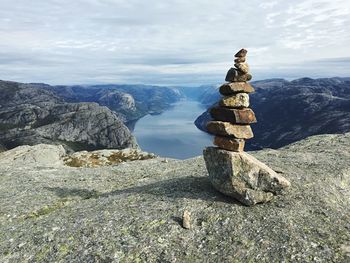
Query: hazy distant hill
x: 196, y: 92
x: 288, y: 111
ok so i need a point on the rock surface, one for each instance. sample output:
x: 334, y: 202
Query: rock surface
x: 42, y: 155
x: 237, y: 116
x: 230, y: 144
x: 235, y: 87
x: 243, y: 67
x: 239, y: 59
x: 132, y: 212
x: 242, y: 53
x: 186, y: 220
x: 74, y: 116
x: 229, y: 129
x: 31, y: 115
x: 239, y: 100
x: 234, y: 75
x: 129, y: 102
x: 241, y: 176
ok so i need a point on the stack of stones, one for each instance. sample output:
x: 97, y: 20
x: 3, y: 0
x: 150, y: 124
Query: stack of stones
x: 232, y: 118
x: 232, y: 171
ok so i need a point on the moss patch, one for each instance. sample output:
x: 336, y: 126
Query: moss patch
x: 119, y: 157
x: 47, y: 209
x: 96, y: 159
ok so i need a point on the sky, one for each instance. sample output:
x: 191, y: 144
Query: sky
x: 178, y: 42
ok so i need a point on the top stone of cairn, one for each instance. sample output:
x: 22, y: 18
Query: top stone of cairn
x: 242, y: 53
x: 240, y: 73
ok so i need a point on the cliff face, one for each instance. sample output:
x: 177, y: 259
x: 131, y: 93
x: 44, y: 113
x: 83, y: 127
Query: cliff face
x: 132, y: 212
x: 74, y: 115
x: 129, y: 102
x: 32, y: 115
x: 290, y: 111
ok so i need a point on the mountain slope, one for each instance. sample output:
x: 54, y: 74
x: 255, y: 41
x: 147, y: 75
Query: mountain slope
x: 129, y: 102
x: 290, y: 111
x: 32, y: 115
x: 132, y: 212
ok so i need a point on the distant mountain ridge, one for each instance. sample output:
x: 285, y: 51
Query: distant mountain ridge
x: 288, y: 111
x: 75, y: 116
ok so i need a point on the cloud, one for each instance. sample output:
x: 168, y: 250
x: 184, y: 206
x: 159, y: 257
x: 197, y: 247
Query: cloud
x: 168, y: 42
x: 268, y: 4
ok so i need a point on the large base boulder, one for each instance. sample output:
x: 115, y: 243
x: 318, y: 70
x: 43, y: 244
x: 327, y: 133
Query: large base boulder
x: 241, y: 176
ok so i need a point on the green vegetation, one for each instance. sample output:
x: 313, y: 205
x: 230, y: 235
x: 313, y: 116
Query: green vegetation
x: 118, y: 157
x: 47, y: 209
x: 95, y: 159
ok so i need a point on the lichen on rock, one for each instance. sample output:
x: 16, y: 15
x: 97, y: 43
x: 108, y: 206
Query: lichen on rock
x: 131, y: 212
x: 240, y: 175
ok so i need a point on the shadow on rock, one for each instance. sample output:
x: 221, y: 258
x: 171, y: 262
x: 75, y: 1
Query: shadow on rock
x: 63, y: 192
x: 184, y: 187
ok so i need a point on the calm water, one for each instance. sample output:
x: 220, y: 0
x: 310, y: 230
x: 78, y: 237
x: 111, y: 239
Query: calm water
x: 173, y: 133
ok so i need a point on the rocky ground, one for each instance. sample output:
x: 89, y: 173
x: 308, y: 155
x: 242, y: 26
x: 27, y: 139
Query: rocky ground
x: 131, y: 212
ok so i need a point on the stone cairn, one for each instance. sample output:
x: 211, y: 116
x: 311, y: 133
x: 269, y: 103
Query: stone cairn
x: 232, y: 171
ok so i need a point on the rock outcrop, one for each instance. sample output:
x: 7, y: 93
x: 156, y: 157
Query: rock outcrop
x: 40, y: 155
x: 291, y: 110
x: 129, y: 102
x: 132, y: 212
x: 30, y: 115
x: 55, y: 156
x: 74, y: 116
x: 231, y: 171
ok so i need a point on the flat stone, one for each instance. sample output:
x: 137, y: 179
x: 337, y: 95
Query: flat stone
x: 228, y: 129
x: 234, y: 75
x: 235, y: 87
x: 239, y: 100
x: 239, y: 59
x: 241, y: 176
x: 242, y: 53
x: 230, y: 144
x: 243, y: 67
x: 236, y: 116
